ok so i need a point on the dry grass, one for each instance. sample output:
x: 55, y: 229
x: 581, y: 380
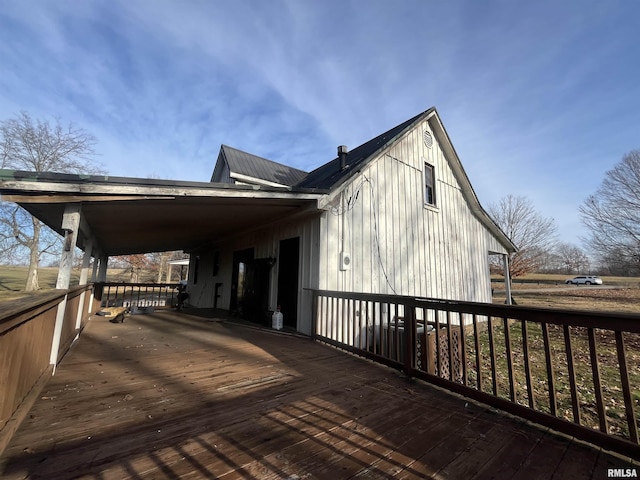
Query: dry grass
x: 14, y: 278
x: 607, y: 363
x: 618, y: 294
x: 585, y: 298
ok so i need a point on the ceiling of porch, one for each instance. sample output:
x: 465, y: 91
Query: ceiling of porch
x: 126, y: 217
x: 156, y: 225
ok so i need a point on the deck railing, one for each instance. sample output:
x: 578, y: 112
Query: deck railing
x: 34, y: 336
x: 575, y: 372
x: 157, y: 295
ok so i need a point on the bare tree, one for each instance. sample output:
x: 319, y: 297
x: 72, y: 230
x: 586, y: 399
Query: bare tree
x: 38, y: 146
x: 137, y: 266
x: 533, y: 234
x: 612, y: 214
x: 161, y: 261
x: 572, y: 258
x: 549, y: 262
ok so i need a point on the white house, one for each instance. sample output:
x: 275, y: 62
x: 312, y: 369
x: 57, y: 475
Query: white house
x: 396, y: 215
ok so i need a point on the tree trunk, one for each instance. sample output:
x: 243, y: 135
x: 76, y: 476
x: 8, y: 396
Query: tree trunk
x: 34, y: 254
x: 164, y: 260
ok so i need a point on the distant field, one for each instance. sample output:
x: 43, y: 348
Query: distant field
x: 552, y: 292
x: 13, y: 280
x: 545, y: 279
x: 542, y: 290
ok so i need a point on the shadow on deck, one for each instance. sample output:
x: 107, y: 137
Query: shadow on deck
x: 175, y: 395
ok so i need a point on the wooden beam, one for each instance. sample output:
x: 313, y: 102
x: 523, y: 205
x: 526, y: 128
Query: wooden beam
x: 39, y: 198
x: 83, y: 190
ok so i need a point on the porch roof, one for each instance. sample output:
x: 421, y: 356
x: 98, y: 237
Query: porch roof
x: 153, y: 215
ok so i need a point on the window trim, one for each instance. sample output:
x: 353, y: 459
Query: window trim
x: 425, y: 188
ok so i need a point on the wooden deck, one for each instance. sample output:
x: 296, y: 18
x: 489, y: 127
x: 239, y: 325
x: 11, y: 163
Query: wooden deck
x: 172, y: 395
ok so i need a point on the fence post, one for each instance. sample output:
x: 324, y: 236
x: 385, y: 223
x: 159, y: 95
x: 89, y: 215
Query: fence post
x: 409, y: 340
x: 98, y: 290
x: 314, y: 315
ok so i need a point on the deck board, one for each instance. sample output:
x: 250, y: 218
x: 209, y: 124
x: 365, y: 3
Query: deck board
x: 172, y: 395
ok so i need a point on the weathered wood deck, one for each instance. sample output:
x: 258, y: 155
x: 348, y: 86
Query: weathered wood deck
x: 171, y: 395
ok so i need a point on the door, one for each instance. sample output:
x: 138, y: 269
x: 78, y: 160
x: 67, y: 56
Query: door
x: 241, y: 259
x: 255, y: 301
x: 289, y: 264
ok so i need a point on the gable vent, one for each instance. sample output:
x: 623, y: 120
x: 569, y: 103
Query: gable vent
x: 428, y: 139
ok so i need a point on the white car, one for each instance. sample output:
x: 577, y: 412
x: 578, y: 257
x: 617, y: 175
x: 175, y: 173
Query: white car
x: 584, y: 280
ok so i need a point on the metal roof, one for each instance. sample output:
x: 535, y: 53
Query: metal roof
x: 257, y: 167
x: 158, y: 215
x: 330, y: 175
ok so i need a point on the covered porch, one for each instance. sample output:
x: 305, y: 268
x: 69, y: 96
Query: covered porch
x: 176, y: 395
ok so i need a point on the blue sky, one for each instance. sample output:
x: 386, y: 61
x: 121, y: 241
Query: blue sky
x: 539, y: 98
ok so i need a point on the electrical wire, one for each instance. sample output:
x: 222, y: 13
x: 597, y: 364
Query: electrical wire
x: 350, y: 204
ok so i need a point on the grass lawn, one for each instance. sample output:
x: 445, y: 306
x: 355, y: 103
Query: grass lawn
x: 14, y: 278
x: 550, y: 291
x: 607, y: 363
x: 618, y: 294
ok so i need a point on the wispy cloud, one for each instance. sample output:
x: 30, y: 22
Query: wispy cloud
x: 539, y: 98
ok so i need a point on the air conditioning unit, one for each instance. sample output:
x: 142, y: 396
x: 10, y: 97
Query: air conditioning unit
x: 345, y: 261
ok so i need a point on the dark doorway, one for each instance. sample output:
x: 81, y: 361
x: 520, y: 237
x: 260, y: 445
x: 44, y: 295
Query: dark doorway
x: 289, y: 263
x: 241, y: 259
x: 255, y: 301
x: 250, y: 286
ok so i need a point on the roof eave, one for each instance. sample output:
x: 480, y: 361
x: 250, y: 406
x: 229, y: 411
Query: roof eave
x: 60, y: 183
x: 467, y: 188
x: 362, y: 165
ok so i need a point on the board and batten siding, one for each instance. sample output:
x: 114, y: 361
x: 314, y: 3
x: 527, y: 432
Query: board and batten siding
x: 399, y: 245
x: 266, y: 243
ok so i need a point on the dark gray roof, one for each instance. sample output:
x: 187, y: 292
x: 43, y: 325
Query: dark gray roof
x: 331, y: 175
x: 257, y: 167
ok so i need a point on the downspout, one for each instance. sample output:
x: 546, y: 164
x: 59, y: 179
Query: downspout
x: 342, y: 156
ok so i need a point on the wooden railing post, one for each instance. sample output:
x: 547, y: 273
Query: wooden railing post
x: 98, y: 290
x: 543, y: 332
x: 314, y: 315
x: 626, y: 388
x: 409, y: 340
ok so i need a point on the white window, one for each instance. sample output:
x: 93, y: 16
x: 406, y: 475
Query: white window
x: 429, y: 184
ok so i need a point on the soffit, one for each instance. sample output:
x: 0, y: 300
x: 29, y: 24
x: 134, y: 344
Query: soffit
x: 127, y: 218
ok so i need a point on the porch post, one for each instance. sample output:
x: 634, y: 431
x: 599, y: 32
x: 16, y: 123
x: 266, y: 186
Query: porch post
x: 86, y: 260
x: 94, y: 271
x: 170, y: 268
x: 84, y: 274
x: 70, y: 225
x: 94, y: 278
x: 507, y: 277
x: 102, y: 271
x: 57, y: 333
